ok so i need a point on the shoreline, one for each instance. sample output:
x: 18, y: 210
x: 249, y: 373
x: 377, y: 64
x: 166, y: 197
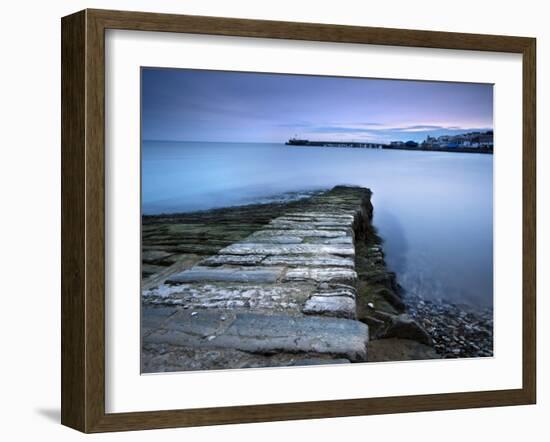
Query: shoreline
x: 451, y: 329
x: 457, y: 331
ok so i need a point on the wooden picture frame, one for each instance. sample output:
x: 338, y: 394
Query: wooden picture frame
x: 83, y: 220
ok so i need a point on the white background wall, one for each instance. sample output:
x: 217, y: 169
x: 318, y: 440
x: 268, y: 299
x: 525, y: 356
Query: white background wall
x: 30, y: 220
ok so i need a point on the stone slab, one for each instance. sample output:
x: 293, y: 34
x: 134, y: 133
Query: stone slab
x: 317, y: 261
x: 274, y: 297
x: 227, y: 274
x: 338, y: 306
x: 340, y: 216
x: 333, y: 290
x: 337, y: 240
x: 265, y: 334
x: 155, y: 317
x: 327, y: 219
x: 278, y: 239
x: 282, y: 224
x: 244, y: 248
x: 300, y: 233
x: 239, y: 260
x: 321, y: 274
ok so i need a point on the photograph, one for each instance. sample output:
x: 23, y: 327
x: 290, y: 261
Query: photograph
x: 296, y: 220
x: 254, y: 223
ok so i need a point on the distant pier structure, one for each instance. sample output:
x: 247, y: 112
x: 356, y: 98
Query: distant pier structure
x: 474, y: 142
x: 358, y: 144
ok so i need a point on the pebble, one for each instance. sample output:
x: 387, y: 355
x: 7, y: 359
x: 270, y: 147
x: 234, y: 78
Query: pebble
x: 457, y: 331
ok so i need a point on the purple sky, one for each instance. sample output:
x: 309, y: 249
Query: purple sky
x: 197, y: 105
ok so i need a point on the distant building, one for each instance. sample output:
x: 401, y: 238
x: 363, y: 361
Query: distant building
x: 470, y: 140
x: 486, y: 139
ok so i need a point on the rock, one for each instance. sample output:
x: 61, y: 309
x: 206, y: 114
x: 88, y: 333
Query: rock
x: 403, y: 326
x: 455, y: 328
x: 392, y: 298
x: 384, y: 278
x: 373, y: 323
x: 337, y: 306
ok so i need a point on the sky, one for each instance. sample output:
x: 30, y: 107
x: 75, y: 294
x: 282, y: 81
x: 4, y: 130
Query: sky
x: 219, y: 106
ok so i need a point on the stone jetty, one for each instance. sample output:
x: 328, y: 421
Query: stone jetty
x: 285, y: 293
x: 268, y: 285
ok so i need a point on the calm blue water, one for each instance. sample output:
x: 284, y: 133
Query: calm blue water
x: 434, y: 210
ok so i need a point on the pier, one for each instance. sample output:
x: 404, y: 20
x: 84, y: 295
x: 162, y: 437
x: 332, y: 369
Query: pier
x: 355, y: 144
x: 288, y: 284
x: 485, y: 149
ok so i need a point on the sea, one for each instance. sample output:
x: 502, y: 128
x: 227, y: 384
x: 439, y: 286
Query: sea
x: 433, y: 210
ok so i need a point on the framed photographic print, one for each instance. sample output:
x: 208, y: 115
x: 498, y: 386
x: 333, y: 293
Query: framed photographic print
x: 270, y: 220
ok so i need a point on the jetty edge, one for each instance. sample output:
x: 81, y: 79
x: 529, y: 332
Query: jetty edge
x: 299, y: 283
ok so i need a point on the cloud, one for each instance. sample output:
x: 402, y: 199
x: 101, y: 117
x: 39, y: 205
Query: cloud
x: 379, y: 132
x: 340, y: 129
x: 418, y: 128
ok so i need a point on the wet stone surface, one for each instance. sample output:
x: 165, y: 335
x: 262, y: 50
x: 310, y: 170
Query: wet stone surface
x: 340, y: 306
x: 282, y: 290
x: 317, y: 261
x: 263, y: 334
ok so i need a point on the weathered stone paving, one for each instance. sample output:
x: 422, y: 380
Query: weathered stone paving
x: 285, y: 292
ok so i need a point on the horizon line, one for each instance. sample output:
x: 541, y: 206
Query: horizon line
x: 466, y: 131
